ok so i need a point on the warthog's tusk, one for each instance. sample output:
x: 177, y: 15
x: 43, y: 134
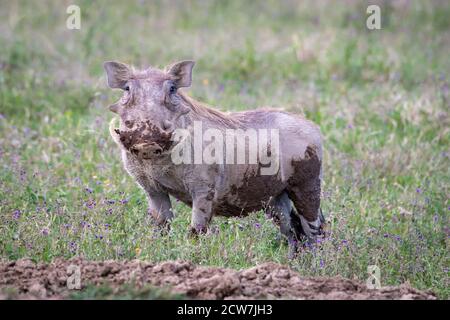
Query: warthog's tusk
x: 169, y: 126
x: 113, y: 132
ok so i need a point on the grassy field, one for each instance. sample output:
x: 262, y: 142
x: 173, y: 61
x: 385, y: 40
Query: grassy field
x: 381, y: 98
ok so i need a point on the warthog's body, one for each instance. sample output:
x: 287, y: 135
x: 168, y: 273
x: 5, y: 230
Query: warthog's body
x: 144, y: 135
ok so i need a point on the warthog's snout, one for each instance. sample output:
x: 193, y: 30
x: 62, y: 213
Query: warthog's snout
x: 145, y: 139
x: 146, y: 150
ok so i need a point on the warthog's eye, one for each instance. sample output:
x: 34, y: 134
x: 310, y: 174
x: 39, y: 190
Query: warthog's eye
x: 172, y: 89
x: 127, y: 88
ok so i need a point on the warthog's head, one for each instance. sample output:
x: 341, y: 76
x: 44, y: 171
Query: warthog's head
x: 149, y: 96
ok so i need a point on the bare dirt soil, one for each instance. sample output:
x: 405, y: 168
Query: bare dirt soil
x: 268, y: 280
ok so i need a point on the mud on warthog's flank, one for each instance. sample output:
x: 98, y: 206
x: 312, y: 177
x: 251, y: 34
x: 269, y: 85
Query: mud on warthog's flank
x: 152, y: 108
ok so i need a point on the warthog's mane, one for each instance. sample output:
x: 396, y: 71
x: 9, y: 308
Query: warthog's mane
x: 200, y: 111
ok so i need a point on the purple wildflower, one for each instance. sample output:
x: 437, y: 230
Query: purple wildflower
x: 418, y: 190
x: 72, y: 246
x: 88, y: 190
x: 85, y: 224
x: 16, y: 214
x: 308, y: 245
x: 90, y: 203
x: 44, y: 232
x: 257, y: 225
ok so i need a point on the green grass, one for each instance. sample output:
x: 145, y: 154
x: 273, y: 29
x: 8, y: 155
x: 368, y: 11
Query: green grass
x: 381, y: 99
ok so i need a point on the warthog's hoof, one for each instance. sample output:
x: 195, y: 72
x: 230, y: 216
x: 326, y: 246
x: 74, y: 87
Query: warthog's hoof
x: 194, y: 231
x: 160, y: 222
x: 292, y: 248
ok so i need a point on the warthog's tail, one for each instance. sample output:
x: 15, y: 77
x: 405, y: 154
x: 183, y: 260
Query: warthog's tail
x: 112, y: 132
x: 321, y: 216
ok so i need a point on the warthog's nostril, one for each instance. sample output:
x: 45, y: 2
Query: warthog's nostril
x: 129, y: 124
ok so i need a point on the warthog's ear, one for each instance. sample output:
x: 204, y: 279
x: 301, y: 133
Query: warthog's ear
x: 182, y: 73
x: 117, y: 73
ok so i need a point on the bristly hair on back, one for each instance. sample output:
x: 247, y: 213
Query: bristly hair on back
x: 200, y: 111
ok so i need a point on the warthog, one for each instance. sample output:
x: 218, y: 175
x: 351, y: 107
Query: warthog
x: 153, y: 108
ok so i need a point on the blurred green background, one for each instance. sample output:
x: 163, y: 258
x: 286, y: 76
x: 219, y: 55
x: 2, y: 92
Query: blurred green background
x: 381, y: 98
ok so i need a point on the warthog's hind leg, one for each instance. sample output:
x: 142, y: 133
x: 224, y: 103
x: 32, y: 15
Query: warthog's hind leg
x: 307, y: 219
x: 304, y: 191
x: 279, y: 209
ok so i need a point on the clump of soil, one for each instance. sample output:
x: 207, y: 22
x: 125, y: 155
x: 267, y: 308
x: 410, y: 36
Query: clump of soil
x: 268, y: 280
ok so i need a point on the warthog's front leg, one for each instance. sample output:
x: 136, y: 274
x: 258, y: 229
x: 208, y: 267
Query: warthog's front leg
x: 201, y: 214
x: 159, y: 207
